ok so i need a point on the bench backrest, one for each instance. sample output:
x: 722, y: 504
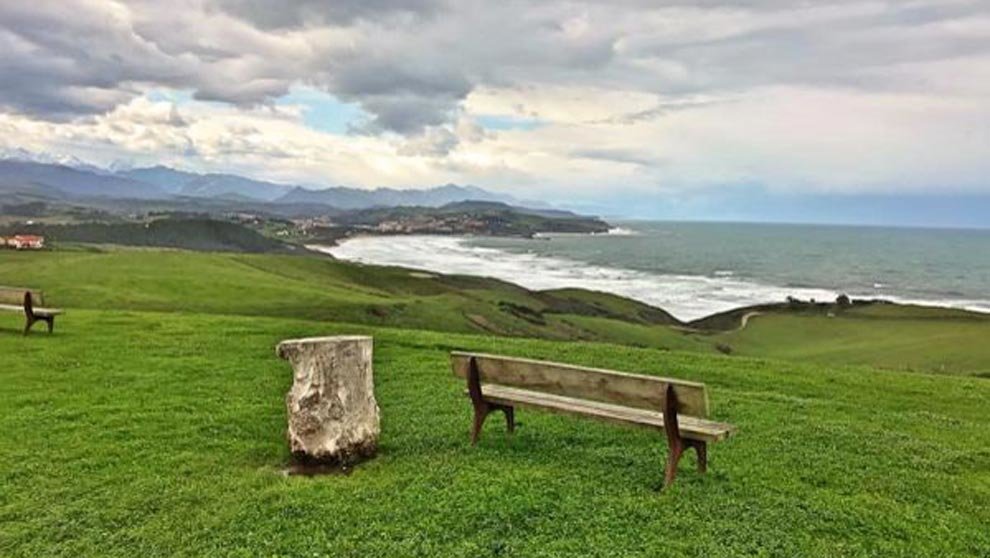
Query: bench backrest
x: 15, y: 295
x: 606, y: 386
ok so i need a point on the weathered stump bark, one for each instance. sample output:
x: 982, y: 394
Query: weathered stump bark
x: 332, y: 411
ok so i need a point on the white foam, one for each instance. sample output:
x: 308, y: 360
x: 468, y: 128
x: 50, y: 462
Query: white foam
x: 687, y: 297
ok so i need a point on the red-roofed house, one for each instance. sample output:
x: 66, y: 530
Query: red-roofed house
x: 26, y: 242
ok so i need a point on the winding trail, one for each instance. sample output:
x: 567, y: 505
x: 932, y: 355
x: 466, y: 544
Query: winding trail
x: 744, y: 321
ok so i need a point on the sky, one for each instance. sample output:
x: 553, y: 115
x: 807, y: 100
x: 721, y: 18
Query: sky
x: 635, y: 107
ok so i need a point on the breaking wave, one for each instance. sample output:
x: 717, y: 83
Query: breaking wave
x: 688, y: 297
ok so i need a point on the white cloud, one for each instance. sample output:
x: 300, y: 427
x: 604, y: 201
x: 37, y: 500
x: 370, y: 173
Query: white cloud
x: 841, y: 95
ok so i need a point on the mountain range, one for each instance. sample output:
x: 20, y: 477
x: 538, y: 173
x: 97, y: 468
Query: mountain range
x: 57, y: 181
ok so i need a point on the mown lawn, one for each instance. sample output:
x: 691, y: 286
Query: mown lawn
x: 152, y: 434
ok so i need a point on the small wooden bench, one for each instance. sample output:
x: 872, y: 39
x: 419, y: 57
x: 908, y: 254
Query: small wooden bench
x: 680, y: 408
x: 15, y: 299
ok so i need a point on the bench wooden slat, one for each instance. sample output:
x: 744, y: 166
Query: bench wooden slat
x: 37, y: 311
x: 578, y: 382
x: 690, y: 427
x: 42, y: 312
x: 15, y: 296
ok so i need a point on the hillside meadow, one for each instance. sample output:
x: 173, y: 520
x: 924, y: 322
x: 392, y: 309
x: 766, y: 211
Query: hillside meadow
x: 152, y: 423
x: 908, y: 338
x: 318, y: 287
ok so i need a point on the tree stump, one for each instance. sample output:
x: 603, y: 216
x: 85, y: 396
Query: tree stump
x: 332, y: 411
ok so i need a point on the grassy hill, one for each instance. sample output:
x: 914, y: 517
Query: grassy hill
x: 190, y: 234
x: 319, y: 288
x: 910, y: 338
x: 476, y: 217
x: 152, y: 423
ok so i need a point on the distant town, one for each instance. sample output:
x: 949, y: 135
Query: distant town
x: 250, y: 231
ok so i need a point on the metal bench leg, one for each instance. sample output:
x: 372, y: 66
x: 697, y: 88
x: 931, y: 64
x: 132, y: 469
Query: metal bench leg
x: 480, y: 414
x: 29, y: 312
x: 483, y: 408
x: 673, y: 458
x: 676, y: 443
x: 51, y: 324
x: 702, y: 449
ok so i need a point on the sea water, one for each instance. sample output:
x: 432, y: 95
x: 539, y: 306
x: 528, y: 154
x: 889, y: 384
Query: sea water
x: 696, y: 269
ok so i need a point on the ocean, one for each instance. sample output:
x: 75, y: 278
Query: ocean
x: 696, y: 269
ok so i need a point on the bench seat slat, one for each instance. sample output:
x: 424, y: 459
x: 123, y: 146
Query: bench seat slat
x: 37, y: 311
x: 690, y: 427
x: 42, y: 312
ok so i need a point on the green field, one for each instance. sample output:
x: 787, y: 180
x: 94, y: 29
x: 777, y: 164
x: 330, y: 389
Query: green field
x: 894, y: 337
x: 315, y: 287
x: 152, y: 424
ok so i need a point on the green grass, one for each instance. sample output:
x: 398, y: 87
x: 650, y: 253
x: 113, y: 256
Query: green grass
x: 154, y: 434
x: 318, y: 288
x: 152, y: 422
x: 638, y: 335
x: 894, y: 337
x: 187, y: 233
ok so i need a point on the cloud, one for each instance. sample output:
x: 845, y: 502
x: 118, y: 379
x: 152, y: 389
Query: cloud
x: 832, y: 95
x: 628, y: 156
x: 298, y: 13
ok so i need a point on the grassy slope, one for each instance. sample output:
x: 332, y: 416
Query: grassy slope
x: 900, y: 338
x: 153, y: 434
x: 896, y: 337
x: 192, y: 234
x: 317, y: 287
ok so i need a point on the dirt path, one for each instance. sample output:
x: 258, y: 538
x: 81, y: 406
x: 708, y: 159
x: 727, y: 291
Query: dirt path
x: 745, y: 320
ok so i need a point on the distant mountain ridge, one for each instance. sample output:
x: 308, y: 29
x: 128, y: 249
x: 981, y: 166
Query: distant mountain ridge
x: 43, y: 178
x: 208, y: 185
x: 353, y: 198
x: 56, y: 180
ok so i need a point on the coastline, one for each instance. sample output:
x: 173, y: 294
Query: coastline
x: 691, y: 298
x: 359, y: 234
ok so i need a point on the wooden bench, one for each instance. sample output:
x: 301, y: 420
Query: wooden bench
x: 680, y: 408
x: 15, y: 299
